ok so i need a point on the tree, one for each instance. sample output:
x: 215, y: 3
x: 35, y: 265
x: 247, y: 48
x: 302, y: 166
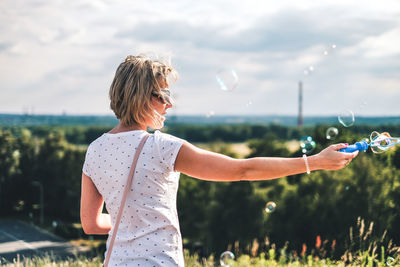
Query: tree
x: 7, y: 168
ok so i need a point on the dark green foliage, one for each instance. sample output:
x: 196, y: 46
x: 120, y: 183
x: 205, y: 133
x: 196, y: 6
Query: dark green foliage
x: 214, y: 215
x: 328, y: 203
x: 267, y: 147
x: 50, y: 161
x: 194, y: 200
x: 235, y: 215
x: 324, y: 203
x: 232, y: 133
x: 68, y: 231
x: 7, y: 167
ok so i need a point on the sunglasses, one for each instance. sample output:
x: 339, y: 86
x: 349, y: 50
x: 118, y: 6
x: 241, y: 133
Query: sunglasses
x: 165, y: 96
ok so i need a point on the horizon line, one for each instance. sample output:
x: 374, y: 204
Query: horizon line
x: 187, y: 115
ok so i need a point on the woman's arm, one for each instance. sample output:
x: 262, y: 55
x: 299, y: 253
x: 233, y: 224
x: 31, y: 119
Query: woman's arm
x: 94, y: 222
x: 207, y: 165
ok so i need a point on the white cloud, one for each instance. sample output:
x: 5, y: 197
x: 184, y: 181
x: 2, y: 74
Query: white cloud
x: 384, y: 45
x: 56, y: 55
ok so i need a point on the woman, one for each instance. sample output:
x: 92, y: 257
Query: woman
x: 149, y: 233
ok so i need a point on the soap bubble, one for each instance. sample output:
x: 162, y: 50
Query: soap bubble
x: 331, y: 133
x: 363, y: 104
x: 270, y: 207
x: 227, y: 258
x: 308, y: 70
x: 249, y: 103
x: 374, y: 135
x: 210, y: 114
x: 380, y: 142
x: 227, y: 79
x: 390, y: 261
x: 346, y: 118
x: 307, y: 145
x: 330, y: 49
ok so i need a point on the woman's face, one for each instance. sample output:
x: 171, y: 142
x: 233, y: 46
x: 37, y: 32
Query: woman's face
x: 161, y: 103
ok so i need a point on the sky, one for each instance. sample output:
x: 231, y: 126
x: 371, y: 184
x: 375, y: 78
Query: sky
x: 60, y: 56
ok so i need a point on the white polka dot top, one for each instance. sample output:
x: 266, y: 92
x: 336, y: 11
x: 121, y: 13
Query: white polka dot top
x: 149, y: 233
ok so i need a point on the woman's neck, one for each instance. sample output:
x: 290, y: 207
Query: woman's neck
x: 122, y: 128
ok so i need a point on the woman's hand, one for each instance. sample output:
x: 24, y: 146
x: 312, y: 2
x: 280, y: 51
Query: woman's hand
x: 331, y: 159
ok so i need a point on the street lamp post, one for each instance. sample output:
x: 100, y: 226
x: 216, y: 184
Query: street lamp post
x: 36, y: 183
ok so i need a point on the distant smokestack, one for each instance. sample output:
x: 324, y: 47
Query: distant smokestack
x: 300, y: 115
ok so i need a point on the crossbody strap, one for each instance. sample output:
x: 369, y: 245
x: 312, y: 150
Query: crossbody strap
x: 127, y: 188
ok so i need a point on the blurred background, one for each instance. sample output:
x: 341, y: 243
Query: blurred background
x: 257, y: 78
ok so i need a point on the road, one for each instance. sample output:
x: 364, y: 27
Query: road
x: 17, y: 237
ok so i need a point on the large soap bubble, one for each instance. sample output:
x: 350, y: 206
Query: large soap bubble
x: 227, y: 79
x: 346, y: 118
x: 331, y: 133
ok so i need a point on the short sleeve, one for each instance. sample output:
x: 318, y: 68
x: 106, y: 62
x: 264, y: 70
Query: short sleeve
x: 86, y: 169
x: 168, y: 146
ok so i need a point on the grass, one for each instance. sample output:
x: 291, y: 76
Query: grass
x: 268, y: 259
x: 47, y: 261
x: 361, y: 251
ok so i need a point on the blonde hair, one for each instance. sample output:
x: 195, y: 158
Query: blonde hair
x: 135, y: 81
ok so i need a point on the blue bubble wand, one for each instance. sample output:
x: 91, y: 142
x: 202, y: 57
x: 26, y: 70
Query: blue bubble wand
x: 380, y: 142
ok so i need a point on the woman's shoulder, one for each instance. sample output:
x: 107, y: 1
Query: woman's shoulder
x: 167, y: 147
x: 164, y: 137
x: 96, y: 143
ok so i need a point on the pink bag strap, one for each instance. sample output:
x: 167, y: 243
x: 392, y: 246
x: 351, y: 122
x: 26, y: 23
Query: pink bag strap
x: 127, y: 188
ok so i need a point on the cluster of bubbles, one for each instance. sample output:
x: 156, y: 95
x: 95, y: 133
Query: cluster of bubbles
x: 307, y: 144
x: 228, y: 80
x: 381, y: 142
x: 227, y: 258
x: 345, y: 118
x: 310, y: 69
